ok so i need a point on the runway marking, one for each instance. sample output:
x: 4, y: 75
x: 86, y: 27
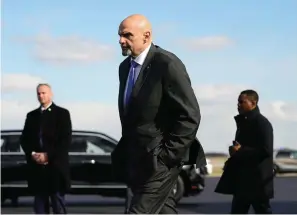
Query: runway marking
x: 280, y: 175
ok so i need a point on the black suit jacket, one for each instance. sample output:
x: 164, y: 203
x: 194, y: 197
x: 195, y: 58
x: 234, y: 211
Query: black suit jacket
x: 163, y: 115
x: 56, y: 130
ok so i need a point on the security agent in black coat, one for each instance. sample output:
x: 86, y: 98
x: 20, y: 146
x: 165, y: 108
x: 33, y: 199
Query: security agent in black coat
x: 45, y: 140
x: 248, y: 173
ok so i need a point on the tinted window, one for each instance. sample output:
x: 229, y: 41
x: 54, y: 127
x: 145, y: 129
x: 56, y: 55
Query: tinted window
x: 283, y: 154
x: 10, y: 143
x: 106, y: 145
x: 90, y: 144
x: 83, y: 143
x: 294, y: 154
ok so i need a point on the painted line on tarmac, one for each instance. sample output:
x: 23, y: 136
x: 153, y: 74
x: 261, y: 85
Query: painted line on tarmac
x: 281, y: 175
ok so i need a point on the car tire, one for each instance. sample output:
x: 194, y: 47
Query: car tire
x: 15, y: 201
x: 179, y: 189
x: 276, y: 169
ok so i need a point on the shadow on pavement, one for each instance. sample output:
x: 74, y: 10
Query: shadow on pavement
x: 224, y: 207
x: 108, y: 207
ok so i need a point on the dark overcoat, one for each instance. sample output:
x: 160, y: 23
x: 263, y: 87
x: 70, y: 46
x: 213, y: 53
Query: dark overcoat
x: 50, y: 132
x: 249, y: 172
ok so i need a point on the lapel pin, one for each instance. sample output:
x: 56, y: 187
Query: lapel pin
x: 49, y: 109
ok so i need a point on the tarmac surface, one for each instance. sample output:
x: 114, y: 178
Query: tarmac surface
x: 208, y: 202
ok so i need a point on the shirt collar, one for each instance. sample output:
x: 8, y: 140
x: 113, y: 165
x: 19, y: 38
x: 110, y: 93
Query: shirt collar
x: 44, y: 108
x: 141, y: 58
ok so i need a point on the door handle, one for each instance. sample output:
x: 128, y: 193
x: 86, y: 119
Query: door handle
x: 88, y: 161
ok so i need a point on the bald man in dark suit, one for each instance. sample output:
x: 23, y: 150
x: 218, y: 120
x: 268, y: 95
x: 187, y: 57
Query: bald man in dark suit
x: 160, y: 117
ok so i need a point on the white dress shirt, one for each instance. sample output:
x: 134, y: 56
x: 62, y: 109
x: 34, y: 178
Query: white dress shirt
x: 44, y: 108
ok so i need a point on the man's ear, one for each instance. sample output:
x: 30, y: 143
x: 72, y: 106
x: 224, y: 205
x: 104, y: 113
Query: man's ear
x: 147, y: 36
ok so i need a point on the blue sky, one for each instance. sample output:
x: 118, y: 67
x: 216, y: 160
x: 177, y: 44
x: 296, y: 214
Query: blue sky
x: 251, y: 43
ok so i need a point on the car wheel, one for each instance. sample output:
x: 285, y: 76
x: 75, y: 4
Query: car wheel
x: 179, y: 189
x: 276, y: 169
x: 15, y: 201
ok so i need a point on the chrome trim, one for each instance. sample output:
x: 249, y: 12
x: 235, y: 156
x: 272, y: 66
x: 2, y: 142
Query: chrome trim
x: 70, y: 153
x: 73, y: 133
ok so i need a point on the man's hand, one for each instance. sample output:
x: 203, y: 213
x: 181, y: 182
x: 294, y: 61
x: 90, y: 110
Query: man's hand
x: 34, y: 156
x: 40, y: 157
x: 236, y: 145
x: 234, y: 148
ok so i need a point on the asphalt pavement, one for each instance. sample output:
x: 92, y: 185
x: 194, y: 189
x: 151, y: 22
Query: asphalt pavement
x: 208, y: 202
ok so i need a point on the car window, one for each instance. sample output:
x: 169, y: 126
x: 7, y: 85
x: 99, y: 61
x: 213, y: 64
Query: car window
x: 294, y: 155
x: 82, y: 143
x: 10, y: 143
x: 90, y: 145
x: 283, y: 154
x: 106, y: 145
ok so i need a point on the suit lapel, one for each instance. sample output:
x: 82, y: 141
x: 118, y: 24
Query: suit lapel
x: 49, y: 121
x: 48, y: 116
x: 145, y: 68
x: 123, y: 74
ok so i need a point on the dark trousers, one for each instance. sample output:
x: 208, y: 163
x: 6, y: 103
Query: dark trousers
x: 242, y: 206
x: 156, y: 195
x: 128, y: 199
x: 42, y: 204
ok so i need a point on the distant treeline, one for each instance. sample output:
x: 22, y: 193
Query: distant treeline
x: 215, y: 154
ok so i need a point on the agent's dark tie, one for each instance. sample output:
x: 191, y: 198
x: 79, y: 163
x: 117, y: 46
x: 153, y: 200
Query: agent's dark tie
x: 40, y: 128
x: 130, y: 83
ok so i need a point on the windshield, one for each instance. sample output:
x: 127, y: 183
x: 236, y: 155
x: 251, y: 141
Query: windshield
x: 294, y: 155
x: 10, y: 143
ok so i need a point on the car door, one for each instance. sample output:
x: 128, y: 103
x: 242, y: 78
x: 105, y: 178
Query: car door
x: 107, y: 145
x: 13, y: 161
x: 286, y: 160
x: 291, y: 161
x: 90, y: 164
x: 294, y: 161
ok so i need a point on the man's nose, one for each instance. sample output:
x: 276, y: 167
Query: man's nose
x: 122, y: 40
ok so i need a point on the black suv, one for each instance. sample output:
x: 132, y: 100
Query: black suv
x: 90, y: 164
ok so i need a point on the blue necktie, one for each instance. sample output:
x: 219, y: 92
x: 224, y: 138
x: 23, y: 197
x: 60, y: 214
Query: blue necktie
x: 130, y: 83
